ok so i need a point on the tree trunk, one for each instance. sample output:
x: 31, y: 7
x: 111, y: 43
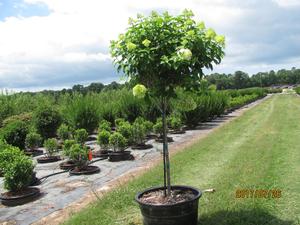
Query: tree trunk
x: 167, y: 177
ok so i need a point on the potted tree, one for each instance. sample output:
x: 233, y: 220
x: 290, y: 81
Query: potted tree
x: 118, y: 142
x: 69, y: 164
x: 103, y: 141
x: 51, y: 148
x: 161, y: 53
x: 32, y: 142
x: 79, y: 155
x: 17, y: 178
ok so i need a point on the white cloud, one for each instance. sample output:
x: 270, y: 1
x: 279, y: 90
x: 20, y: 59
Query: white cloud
x: 288, y: 3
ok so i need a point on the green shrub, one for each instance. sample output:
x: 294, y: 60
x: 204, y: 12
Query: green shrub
x: 148, y: 126
x: 119, y: 122
x: 51, y: 146
x: 103, y: 139
x: 64, y: 132
x: 79, y: 154
x: 14, y: 133
x: 105, y: 125
x: 67, y: 146
x: 126, y: 130
x: 8, y: 154
x: 117, y: 141
x: 33, y: 140
x: 81, y: 136
x: 47, y: 120
x: 158, y: 127
x: 175, y: 122
x: 139, y: 132
x: 25, y: 117
x: 18, y: 173
x: 82, y: 112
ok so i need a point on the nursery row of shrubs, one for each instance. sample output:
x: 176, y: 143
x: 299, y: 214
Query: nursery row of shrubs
x: 84, y: 112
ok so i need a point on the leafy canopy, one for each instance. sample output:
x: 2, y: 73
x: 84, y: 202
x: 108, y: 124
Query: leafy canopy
x: 163, y: 52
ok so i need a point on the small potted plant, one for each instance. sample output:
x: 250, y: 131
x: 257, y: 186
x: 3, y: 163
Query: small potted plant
x: 81, y: 136
x: 125, y: 128
x: 51, y: 148
x: 159, y: 131
x: 103, y: 141
x: 149, y: 129
x: 105, y: 125
x: 139, y: 135
x: 17, y: 178
x: 118, y: 142
x: 79, y: 155
x: 69, y: 164
x: 32, y: 142
x: 64, y: 132
x: 175, y: 123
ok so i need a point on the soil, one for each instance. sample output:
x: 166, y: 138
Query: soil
x: 46, y: 159
x: 158, y: 198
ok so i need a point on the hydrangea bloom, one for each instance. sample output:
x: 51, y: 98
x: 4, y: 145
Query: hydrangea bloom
x: 210, y: 33
x: 139, y: 91
x: 146, y: 43
x: 130, y: 46
x: 185, y: 54
x: 220, y: 39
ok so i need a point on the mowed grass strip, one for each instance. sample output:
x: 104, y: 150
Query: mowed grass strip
x: 259, y: 151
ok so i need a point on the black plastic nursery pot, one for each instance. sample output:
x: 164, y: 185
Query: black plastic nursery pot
x: 183, y: 213
x: 85, y: 171
x: 161, y: 140
x: 142, y: 146
x: 120, y: 156
x: 48, y: 159
x: 101, y: 154
x: 27, y: 195
x: 67, y: 165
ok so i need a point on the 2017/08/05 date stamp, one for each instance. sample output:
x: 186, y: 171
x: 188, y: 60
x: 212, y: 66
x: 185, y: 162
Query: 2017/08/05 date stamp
x: 258, y: 193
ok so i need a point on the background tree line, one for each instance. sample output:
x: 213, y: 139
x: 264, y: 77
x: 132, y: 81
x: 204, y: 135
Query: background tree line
x: 240, y: 79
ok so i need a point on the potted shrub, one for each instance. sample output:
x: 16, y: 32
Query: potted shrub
x: 64, y: 132
x: 32, y: 142
x: 103, y: 141
x: 118, y: 142
x: 7, y: 154
x: 149, y: 129
x: 125, y: 128
x: 14, y: 133
x: 159, y: 64
x: 69, y: 164
x: 47, y: 120
x: 51, y: 148
x: 175, y: 123
x: 139, y: 135
x: 159, y: 131
x: 17, y: 178
x: 81, y: 136
x: 79, y: 155
x: 104, y: 125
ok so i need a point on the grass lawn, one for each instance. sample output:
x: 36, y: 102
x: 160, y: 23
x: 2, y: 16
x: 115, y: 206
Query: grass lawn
x: 259, y: 150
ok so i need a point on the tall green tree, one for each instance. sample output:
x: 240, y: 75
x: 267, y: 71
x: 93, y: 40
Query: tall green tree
x: 163, y: 52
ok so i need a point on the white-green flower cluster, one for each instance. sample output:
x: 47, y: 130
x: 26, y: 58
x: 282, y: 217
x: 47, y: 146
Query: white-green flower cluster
x: 139, y: 91
x: 185, y: 54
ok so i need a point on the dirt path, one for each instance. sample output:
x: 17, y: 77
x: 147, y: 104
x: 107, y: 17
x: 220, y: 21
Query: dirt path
x: 79, y: 192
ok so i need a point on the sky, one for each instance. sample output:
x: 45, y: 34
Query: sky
x: 54, y: 44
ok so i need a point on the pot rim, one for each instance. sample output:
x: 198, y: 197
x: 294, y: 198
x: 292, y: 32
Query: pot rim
x: 34, y: 190
x: 139, y: 194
